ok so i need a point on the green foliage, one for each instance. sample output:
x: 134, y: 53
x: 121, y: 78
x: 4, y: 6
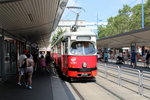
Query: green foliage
x: 147, y: 14
x: 57, y: 34
x: 127, y: 19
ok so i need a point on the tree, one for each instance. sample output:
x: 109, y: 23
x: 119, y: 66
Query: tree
x: 147, y: 13
x: 127, y: 19
x: 57, y: 34
x: 136, y: 17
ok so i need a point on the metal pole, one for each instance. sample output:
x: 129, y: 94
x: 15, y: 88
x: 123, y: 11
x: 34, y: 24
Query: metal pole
x: 97, y: 26
x: 119, y: 75
x: 142, y: 84
x: 106, y: 68
x: 139, y: 82
x: 142, y: 13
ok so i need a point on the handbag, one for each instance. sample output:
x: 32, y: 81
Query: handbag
x: 24, y: 64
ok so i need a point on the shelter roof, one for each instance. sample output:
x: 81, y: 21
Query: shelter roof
x: 33, y: 20
x: 139, y: 37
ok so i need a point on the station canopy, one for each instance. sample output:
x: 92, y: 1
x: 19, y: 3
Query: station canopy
x: 139, y: 37
x: 32, y: 20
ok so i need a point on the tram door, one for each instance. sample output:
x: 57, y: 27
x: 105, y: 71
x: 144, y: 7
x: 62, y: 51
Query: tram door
x: 65, y: 56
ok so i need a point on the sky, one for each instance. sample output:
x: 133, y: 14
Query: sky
x: 96, y: 10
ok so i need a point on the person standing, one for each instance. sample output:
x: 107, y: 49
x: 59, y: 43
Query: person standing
x: 106, y: 56
x: 42, y: 63
x: 35, y: 58
x: 48, y: 61
x: 21, y: 68
x: 133, y: 58
x: 147, y: 59
x: 98, y: 56
x: 29, y: 70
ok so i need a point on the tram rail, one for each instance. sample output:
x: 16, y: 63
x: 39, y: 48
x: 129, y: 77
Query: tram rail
x: 95, y: 84
x: 77, y: 92
x: 114, y: 94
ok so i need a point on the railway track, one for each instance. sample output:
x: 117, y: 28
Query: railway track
x: 120, y: 98
x: 77, y: 92
x: 99, y: 91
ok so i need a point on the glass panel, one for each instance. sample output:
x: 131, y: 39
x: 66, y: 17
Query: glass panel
x: 7, y: 56
x: 13, y: 57
x: 10, y: 56
x: 82, y: 48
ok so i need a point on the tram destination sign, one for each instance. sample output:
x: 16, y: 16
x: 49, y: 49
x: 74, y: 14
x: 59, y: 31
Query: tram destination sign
x: 83, y: 38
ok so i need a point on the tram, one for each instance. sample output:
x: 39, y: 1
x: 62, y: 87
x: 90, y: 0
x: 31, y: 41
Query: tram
x: 75, y: 54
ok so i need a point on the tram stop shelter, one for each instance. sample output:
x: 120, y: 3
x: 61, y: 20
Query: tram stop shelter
x: 25, y: 24
x: 139, y: 37
x: 132, y: 39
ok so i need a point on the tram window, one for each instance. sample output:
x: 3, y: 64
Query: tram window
x: 82, y: 48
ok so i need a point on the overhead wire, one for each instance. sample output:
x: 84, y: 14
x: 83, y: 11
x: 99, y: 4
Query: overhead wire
x: 67, y: 12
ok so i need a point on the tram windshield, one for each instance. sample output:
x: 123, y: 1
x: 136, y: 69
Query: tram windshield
x: 82, y: 48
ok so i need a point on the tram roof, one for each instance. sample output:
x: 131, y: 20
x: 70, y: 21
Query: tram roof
x: 77, y: 33
x: 139, y: 37
x: 32, y: 20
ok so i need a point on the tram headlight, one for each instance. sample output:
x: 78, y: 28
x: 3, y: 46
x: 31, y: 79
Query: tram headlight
x: 84, y: 64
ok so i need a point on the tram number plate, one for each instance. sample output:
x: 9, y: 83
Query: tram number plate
x: 84, y: 74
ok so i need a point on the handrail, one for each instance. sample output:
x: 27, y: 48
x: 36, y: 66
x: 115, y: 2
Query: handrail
x: 145, y: 76
x: 126, y: 71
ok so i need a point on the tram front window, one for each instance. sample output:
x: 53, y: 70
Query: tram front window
x: 82, y: 48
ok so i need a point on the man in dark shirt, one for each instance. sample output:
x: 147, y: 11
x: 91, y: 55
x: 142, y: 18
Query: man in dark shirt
x: 147, y: 59
x: 133, y: 58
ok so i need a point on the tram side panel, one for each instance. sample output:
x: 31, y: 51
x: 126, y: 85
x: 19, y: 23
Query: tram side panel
x: 54, y: 55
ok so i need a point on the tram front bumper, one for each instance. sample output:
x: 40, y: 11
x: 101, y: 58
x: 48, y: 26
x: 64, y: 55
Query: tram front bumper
x: 82, y: 72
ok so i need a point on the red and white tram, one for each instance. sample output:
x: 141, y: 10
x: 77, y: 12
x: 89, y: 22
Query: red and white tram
x: 75, y: 54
